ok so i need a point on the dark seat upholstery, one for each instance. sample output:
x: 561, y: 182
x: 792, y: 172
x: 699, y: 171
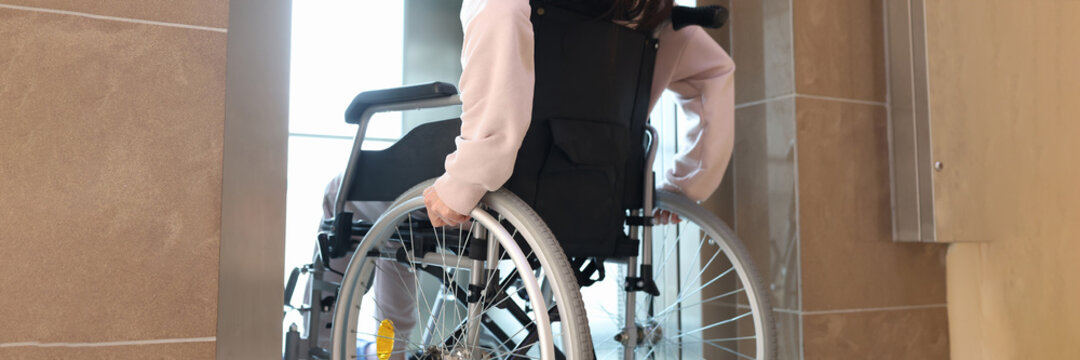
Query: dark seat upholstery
x: 418, y: 156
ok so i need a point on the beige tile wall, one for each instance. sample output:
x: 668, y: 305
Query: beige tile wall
x: 1004, y: 107
x: 111, y: 177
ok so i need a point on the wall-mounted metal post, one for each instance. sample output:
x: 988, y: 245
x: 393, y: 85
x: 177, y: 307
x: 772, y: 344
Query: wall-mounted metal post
x: 911, y: 161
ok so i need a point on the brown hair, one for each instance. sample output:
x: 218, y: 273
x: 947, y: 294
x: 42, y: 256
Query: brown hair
x: 648, y: 14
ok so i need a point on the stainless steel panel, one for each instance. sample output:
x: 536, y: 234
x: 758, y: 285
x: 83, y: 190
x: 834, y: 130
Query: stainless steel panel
x: 912, y: 177
x: 432, y: 52
x: 250, y: 286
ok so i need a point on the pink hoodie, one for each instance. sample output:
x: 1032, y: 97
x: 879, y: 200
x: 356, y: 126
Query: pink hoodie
x: 497, y: 90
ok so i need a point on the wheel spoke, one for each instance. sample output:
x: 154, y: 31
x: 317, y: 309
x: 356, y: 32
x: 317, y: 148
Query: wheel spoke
x: 673, y: 244
x: 675, y: 304
x: 697, y: 278
x: 500, y: 287
x: 736, y: 353
x: 684, y: 295
x: 463, y: 244
x: 409, y: 255
x: 715, y: 324
x: 720, y: 340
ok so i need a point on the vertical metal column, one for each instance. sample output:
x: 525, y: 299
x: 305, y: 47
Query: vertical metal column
x: 912, y: 165
x: 250, y: 286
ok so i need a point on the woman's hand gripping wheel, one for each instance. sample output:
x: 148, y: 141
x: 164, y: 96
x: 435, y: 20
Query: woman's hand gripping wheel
x: 439, y: 213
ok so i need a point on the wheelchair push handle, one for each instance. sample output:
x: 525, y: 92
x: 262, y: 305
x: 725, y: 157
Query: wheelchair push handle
x: 712, y: 17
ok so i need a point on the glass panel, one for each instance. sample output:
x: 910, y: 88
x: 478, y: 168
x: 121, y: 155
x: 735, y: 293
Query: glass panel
x: 334, y: 57
x: 340, y: 48
x: 312, y: 163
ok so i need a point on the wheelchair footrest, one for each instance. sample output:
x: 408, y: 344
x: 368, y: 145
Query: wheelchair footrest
x: 585, y: 268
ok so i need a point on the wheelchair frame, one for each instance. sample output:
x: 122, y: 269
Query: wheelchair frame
x: 504, y: 241
x: 639, y: 276
x: 635, y: 280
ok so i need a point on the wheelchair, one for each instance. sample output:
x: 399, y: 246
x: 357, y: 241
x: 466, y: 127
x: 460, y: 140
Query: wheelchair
x: 509, y: 284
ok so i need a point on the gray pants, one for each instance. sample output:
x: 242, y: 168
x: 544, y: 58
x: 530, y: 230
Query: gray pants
x: 394, y: 283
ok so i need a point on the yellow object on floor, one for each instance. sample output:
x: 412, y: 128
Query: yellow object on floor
x: 384, y: 344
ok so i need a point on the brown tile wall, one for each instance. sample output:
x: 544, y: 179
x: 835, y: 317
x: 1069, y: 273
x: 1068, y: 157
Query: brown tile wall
x: 209, y: 13
x: 111, y: 177
x: 765, y: 198
x: 179, y: 351
x: 880, y: 335
x: 811, y: 184
x: 761, y: 47
x: 863, y: 296
x: 849, y: 260
x: 839, y: 49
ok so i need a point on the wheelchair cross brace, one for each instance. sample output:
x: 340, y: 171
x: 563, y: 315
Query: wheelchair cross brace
x: 643, y: 280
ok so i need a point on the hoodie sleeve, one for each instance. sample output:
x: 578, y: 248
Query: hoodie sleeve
x: 496, y: 89
x: 693, y: 66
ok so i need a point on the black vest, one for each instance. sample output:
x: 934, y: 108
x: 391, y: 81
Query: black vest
x: 581, y: 164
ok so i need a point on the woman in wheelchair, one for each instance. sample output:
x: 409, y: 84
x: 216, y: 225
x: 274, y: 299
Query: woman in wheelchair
x: 497, y: 83
x: 555, y: 98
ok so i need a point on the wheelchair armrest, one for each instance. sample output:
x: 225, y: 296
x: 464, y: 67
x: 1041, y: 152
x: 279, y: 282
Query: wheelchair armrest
x: 368, y: 99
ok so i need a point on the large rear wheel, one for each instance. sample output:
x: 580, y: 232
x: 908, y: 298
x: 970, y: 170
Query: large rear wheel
x: 448, y: 300
x: 712, y: 303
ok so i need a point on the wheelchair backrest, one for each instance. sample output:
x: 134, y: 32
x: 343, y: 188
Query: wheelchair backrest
x: 580, y: 166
